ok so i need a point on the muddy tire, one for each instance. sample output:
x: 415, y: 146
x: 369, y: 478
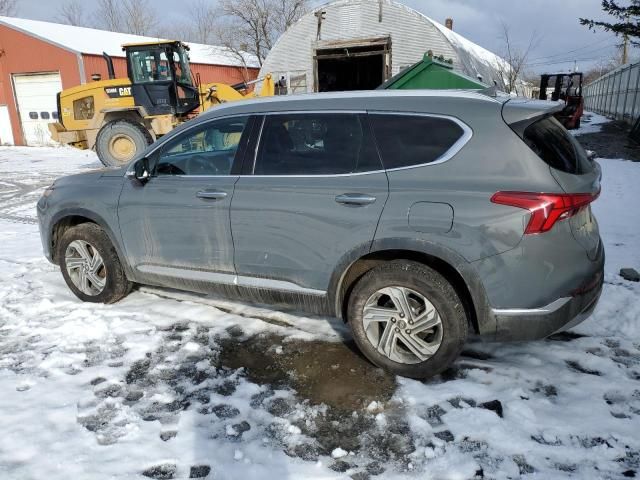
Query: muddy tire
x: 90, y: 265
x: 120, y: 140
x: 406, y: 318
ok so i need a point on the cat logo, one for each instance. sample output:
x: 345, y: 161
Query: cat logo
x: 117, y: 92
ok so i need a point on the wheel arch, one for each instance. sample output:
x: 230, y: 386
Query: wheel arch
x: 453, y: 267
x: 69, y: 218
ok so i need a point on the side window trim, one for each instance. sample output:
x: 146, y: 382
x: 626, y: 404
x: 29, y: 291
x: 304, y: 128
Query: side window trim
x: 447, y: 155
x: 250, y: 165
x: 238, y: 160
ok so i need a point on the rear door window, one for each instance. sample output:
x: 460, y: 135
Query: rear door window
x: 557, y: 147
x: 410, y: 140
x: 315, y: 144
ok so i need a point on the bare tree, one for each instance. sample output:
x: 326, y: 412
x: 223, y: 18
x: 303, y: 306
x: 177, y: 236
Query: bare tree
x: 139, y: 17
x: 515, y: 59
x: 202, y: 24
x: 108, y: 15
x: 130, y: 16
x: 8, y: 8
x: 253, y: 26
x: 72, y: 12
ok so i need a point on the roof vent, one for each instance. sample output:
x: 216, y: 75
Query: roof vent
x: 449, y: 23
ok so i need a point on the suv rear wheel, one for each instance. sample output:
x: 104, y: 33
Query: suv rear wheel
x: 406, y: 318
x: 90, y: 265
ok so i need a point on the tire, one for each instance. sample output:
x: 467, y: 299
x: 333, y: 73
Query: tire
x: 423, y: 288
x: 115, y: 284
x: 120, y: 140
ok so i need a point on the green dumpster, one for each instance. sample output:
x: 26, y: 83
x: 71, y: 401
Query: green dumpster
x: 431, y: 74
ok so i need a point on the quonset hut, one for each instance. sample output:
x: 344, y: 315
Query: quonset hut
x: 359, y: 44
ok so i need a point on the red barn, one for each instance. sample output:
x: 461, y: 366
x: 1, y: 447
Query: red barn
x: 38, y: 59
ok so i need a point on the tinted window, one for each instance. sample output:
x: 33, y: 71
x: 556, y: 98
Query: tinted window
x: 315, y: 144
x: 209, y: 150
x: 557, y: 147
x: 406, y: 140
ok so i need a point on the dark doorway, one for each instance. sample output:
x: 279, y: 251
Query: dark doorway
x: 363, y: 66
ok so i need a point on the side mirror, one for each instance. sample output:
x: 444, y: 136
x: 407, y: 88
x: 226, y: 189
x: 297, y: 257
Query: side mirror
x: 141, y: 171
x: 591, y: 155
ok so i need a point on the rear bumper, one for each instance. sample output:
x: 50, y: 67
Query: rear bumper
x: 562, y: 314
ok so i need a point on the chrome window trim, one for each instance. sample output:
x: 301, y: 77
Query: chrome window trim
x: 228, y: 279
x: 449, y: 154
x: 467, y: 135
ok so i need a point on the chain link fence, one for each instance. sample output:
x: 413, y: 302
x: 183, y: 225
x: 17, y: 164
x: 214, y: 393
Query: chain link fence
x: 616, y: 94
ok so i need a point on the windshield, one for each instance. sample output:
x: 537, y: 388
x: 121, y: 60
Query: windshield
x: 154, y: 65
x: 181, y: 65
x: 150, y: 65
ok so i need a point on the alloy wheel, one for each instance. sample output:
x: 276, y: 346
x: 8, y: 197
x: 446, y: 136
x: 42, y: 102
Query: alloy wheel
x: 85, y: 267
x: 402, y: 324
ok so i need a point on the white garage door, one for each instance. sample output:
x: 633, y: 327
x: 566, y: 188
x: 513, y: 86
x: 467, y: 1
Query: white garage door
x: 36, y: 97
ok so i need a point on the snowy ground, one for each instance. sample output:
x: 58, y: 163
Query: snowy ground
x: 590, y: 123
x: 154, y: 386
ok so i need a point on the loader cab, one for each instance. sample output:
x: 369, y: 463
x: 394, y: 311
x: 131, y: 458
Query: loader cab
x: 161, y: 79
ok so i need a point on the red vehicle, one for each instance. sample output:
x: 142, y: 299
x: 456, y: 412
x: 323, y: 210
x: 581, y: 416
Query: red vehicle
x: 567, y: 87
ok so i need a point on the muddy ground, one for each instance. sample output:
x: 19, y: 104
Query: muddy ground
x: 612, y: 141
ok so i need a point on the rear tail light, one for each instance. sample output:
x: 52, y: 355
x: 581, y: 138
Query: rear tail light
x: 546, y: 208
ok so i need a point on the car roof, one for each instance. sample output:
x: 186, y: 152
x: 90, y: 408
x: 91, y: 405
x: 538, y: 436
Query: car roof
x: 362, y: 98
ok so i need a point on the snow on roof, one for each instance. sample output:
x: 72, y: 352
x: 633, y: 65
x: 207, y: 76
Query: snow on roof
x: 93, y: 42
x: 462, y: 42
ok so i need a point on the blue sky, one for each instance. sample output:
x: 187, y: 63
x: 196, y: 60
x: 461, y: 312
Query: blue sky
x: 561, y: 38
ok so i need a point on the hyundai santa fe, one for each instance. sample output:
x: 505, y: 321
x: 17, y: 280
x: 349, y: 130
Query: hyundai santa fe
x: 418, y: 217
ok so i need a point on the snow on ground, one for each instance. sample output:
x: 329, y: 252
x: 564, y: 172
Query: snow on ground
x: 590, y: 123
x: 94, y: 391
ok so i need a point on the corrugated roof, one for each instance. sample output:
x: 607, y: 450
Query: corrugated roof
x: 93, y: 42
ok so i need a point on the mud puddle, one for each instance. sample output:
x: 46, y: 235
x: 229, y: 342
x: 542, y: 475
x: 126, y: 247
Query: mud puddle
x: 334, y: 374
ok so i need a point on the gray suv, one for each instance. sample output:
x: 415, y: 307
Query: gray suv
x: 418, y: 217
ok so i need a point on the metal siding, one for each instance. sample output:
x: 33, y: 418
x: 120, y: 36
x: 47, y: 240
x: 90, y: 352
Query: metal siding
x: 22, y: 53
x: 411, y: 36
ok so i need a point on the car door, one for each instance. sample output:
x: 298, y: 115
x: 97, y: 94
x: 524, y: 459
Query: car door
x: 176, y: 225
x: 313, y: 193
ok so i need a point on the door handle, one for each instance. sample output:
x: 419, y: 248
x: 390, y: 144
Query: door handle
x: 355, y: 199
x: 211, y: 194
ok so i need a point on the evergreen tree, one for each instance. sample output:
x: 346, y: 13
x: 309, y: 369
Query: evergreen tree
x: 626, y: 20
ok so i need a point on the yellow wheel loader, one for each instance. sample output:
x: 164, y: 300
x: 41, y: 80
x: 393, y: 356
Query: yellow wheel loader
x: 119, y: 117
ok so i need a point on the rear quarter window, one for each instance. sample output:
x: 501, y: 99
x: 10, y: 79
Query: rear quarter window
x: 410, y: 140
x: 557, y: 147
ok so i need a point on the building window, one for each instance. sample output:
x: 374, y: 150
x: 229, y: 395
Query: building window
x: 44, y: 115
x: 33, y: 115
x: 83, y: 108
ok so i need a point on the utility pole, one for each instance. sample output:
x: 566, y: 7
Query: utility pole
x: 625, y: 49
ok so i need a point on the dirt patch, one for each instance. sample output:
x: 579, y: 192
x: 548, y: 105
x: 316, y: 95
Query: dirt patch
x: 328, y: 373
x: 611, y: 142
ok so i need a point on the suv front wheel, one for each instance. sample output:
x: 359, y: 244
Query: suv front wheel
x: 407, y: 318
x: 90, y: 265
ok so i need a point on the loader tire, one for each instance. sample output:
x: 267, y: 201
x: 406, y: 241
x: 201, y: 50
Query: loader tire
x: 120, y: 140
